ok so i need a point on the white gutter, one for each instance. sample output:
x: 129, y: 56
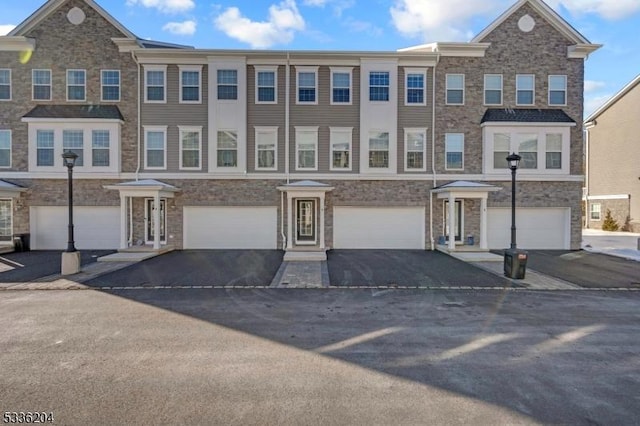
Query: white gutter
x: 133, y: 56
x: 282, y: 234
x: 433, y: 150
x: 587, y: 126
x: 287, y: 91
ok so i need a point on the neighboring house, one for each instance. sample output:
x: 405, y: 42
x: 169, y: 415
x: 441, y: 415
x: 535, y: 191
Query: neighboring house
x: 613, y: 160
x: 200, y: 148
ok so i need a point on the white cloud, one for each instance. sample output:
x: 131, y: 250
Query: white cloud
x: 593, y: 86
x: 284, y: 20
x: 165, y: 6
x: 6, y: 29
x: 181, y: 28
x: 319, y: 3
x: 441, y: 20
x: 608, y: 9
x: 368, y: 28
x: 591, y: 104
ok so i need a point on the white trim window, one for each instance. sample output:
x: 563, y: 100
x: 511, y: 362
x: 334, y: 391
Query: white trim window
x: 455, y: 89
x: 45, y: 148
x: 266, y: 85
x: 553, y: 151
x: 100, y: 146
x: 415, y: 149
x: 155, y: 146
x: 558, y: 90
x: 454, y: 151
x: 190, y: 147
x: 378, y: 150
x: 5, y: 84
x: 307, y: 85
x: 415, y: 86
x: 501, y: 150
x: 266, y: 148
x: 528, y: 150
x: 110, y: 85
x: 41, y: 85
x: 5, y: 148
x: 227, y: 148
x: 341, y: 86
x: 493, y: 89
x: 190, y: 84
x: 76, y: 85
x: 595, y: 211
x: 379, y: 84
x: 73, y: 140
x: 306, y: 148
x: 340, y: 141
x: 525, y: 89
x: 155, y: 84
x: 227, y: 81
x: 6, y: 220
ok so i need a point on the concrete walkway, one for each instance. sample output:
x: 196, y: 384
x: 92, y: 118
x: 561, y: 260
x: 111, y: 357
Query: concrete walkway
x: 302, y: 274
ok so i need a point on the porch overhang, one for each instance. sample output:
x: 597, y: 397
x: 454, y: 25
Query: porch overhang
x: 144, y: 188
x: 304, y: 188
x: 10, y: 190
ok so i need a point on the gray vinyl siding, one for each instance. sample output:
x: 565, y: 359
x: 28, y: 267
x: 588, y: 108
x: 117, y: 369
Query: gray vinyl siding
x: 412, y: 117
x: 324, y: 115
x: 174, y: 114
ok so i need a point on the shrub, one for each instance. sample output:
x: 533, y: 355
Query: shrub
x: 609, y: 223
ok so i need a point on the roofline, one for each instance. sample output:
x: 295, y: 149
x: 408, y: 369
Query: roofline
x: 615, y: 98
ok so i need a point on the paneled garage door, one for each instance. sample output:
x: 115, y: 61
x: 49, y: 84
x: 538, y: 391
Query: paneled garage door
x: 230, y: 227
x: 93, y: 227
x: 378, y: 227
x: 536, y: 228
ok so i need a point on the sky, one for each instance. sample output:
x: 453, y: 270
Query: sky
x: 367, y: 25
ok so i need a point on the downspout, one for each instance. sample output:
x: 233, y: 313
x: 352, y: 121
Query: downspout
x: 130, y: 221
x: 133, y: 56
x: 287, y: 92
x: 587, y: 217
x: 282, y: 234
x: 433, y: 150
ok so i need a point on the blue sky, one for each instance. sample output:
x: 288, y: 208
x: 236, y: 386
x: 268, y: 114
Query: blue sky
x: 367, y: 25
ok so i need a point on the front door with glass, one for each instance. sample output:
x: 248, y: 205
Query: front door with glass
x: 458, y: 220
x: 150, y: 219
x: 305, y: 222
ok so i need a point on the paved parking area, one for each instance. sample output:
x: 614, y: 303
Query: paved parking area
x: 198, y: 268
x: 33, y: 265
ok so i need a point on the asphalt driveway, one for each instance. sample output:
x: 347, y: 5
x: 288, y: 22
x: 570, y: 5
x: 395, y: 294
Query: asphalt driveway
x: 33, y: 265
x: 406, y: 268
x: 216, y: 268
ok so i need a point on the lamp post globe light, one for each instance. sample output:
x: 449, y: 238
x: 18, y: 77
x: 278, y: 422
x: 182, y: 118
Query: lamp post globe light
x: 515, y: 261
x: 71, y: 256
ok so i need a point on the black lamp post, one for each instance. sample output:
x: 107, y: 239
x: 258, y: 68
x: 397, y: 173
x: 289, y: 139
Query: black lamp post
x: 514, y: 162
x: 69, y: 158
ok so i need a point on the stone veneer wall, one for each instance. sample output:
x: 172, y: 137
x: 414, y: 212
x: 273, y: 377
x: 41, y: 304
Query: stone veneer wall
x: 619, y: 212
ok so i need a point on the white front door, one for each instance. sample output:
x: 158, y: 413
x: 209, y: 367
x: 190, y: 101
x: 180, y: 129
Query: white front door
x: 6, y: 223
x: 305, y: 222
x: 150, y: 220
x: 458, y: 223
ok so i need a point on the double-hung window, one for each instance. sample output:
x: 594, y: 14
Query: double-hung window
x: 378, y: 150
x: 227, y: 85
x: 227, y: 148
x: 341, y: 86
x: 100, y: 144
x: 155, y: 139
x: 5, y: 148
x: 5, y: 85
x: 306, y: 148
x: 266, y: 88
x: 307, y: 79
x: 553, y: 151
x: 44, y: 147
x: 528, y: 150
x: 493, y: 89
x: 454, y: 151
x: 190, y: 81
x: 415, y: 141
x: 379, y: 86
x: 595, y: 211
x: 73, y: 140
x: 6, y: 220
x: 41, y: 85
x: 155, y: 83
x: 190, y: 147
x: 415, y: 87
x: 501, y: 150
x: 110, y: 82
x: 76, y: 82
x: 558, y: 90
x: 340, y: 141
x: 525, y: 89
x: 455, y: 89
x: 266, y: 148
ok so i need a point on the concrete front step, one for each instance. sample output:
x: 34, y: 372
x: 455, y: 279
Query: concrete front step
x: 134, y: 256
x: 305, y: 256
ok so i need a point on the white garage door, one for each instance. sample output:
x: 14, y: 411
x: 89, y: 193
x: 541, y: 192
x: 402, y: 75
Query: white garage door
x: 230, y: 227
x: 378, y: 227
x: 93, y: 227
x: 536, y: 228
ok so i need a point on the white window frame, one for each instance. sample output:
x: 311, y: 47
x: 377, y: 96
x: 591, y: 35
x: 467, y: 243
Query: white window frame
x: 388, y: 86
x: 148, y: 68
x: 274, y: 70
x: 148, y: 129
x: 266, y: 129
x: 33, y: 85
x: 103, y: 85
x: 533, y: 90
x: 564, y: 90
x: 592, y: 211
x: 93, y: 148
x: 307, y: 129
x: 218, y: 84
x: 8, y: 131
x: 81, y: 161
x: 300, y: 70
x: 407, y: 131
x: 215, y: 159
x: 423, y: 72
x: 190, y: 129
x: 484, y: 93
x: 10, y: 86
x: 342, y: 70
x: 447, y: 88
x: 389, y: 156
x: 11, y: 220
x: 335, y: 131
x: 190, y: 68
x: 446, y: 150
x: 84, y: 85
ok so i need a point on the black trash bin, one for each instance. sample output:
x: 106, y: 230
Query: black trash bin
x: 515, y: 263
x: 22, y: 242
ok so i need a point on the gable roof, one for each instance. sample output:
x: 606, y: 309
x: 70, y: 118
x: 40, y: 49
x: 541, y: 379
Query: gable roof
x: 626, y: 89
x: 525, y: 115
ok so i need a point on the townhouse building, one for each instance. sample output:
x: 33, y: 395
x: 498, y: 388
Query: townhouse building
x: 295, y: 150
